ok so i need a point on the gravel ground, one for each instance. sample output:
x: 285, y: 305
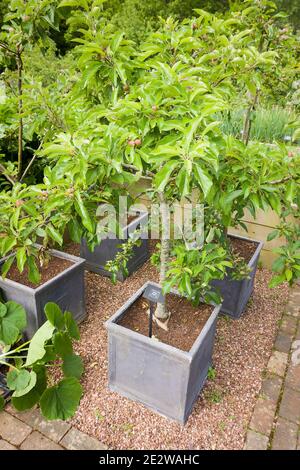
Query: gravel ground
x: 220, y: 416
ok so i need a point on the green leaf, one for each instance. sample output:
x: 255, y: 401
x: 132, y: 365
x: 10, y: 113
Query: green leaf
x: 62, y: 344
x: 272, y: 235
x: 25, y: 402
x: 36, y: 349
x: 54, y: 234
x: 23, y: 391
x: 54, y: 315
x: 75, y: 230
x: 62, y: 400
x: 13, y: 323
x: 82, y: 211
x: 18, y: 379
x: 203, y: 179
x: 7, y: 265
x: 276, y: 280
x: 72, y: 366
x: 3, y: 310
x: 163, y: 176
x: 72, y: 326
x: 33, y: 274
x: 21, y: 258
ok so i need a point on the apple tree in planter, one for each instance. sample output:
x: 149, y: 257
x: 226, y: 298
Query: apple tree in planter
x: 190, y: 73
x: 170, y: 115
x: 27, y: 366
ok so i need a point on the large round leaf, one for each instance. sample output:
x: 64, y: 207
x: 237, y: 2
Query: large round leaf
x: 26, y: 402
x: 62, y: 400
x: 18, y: 379
x: 23, y: 391
x: 12, y: 322
x: 62, y: 344
x: 72, y: 366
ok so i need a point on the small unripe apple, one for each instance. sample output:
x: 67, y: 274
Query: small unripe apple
x: 25, y: 18
x: 154, y: 107
x: 137, y: 141
x: 131, y: 143
x: 194, y: 26
x: 291, y: 154
x: 19, y: 203
x: 126, y: 87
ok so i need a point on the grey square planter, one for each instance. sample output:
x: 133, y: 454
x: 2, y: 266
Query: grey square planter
x: 236, y: 294
x: 160, y: 376
x: 66, y: 289
x: 108, y: 248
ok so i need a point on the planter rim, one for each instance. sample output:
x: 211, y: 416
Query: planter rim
x: 112, y: 326
x: 140, y: 216
x: 259, y: 247
x: 75, y: 260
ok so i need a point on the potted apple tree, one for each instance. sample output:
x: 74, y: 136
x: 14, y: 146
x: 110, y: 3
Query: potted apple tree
x: 159, y: 354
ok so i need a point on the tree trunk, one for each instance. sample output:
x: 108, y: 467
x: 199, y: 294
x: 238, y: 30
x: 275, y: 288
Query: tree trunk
x: 20, y: 108
x: 161, y: 311
x: 248, y: 119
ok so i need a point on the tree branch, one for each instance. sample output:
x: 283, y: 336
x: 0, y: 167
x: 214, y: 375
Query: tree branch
x: 9, y: 178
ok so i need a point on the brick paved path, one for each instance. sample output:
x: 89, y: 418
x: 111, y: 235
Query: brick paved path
x: 29, y: 431
x: 275, y: 422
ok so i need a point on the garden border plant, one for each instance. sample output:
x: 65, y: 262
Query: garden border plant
x: 28, y: 376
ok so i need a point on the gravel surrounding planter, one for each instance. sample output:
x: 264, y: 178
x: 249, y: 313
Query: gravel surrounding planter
x: 146, y: 370
x: 236, y: 294
x: 108, y: 248
x: 221, y: 414
x: 66, y: 289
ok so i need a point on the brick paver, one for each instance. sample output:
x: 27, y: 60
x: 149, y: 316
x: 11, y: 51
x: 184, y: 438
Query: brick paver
x: 277, y: 363
x: 4, y: 445
x: 285, y: 436
x: 77, y: 440
x: 263, y: 416
x: 275, y: 422
x: 290, y: 405
x: 271, y: 386
x: 256, y: 441
x: 13, y: 430
x: 30, y: 431
x: 36, y: 441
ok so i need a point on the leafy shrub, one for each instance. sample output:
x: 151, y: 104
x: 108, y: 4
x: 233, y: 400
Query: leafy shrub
x: 29, y: 363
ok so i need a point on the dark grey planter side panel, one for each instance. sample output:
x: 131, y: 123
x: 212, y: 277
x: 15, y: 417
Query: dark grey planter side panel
x: 201, y: 362
x: 237, y: 293
x: 160, y: 376
x: 66, y: 289
x: 108, y: 249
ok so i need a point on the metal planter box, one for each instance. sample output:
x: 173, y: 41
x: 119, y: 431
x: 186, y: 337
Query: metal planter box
x: 108, y: 248
x: 160, y: 376
x: 236, y: 294
x: 66, y: 289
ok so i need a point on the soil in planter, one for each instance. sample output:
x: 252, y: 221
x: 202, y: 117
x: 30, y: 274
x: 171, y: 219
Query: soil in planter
x: 54, y: 267
x: 185, y: 324
x: 243, y: 248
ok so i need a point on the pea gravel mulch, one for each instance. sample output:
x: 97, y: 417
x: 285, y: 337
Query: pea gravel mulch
x: 221, y: 414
